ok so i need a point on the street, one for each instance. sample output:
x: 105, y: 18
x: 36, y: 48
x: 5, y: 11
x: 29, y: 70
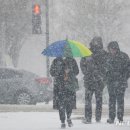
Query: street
x: 42, y: 107
x: 50, y: 121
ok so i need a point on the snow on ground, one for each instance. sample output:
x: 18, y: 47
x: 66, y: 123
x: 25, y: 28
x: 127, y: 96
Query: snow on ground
x: 50, y: 121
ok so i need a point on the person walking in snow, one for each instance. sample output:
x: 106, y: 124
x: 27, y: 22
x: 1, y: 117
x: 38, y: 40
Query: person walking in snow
x: 71, y: 85
x: 99, y: 55
x: 57, y: 70
x: 117, y: 75
x: 94, y: 72
x: 71, y: 82
x: 64, y: 92
x: 93, y: 84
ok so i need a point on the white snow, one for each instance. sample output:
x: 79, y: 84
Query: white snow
x: 50, y: 121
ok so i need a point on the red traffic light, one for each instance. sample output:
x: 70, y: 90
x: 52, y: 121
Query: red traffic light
x: 36, y: 9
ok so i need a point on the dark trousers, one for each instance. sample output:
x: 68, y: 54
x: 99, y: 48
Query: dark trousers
x: 116, y: 95
x: 65, y: 105
x: 88, y: 103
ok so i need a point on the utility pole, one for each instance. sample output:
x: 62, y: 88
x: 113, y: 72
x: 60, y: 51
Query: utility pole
x: 35, y: 10
x: 47, y: 36
x: 3, y: 36
x: 2, y: 61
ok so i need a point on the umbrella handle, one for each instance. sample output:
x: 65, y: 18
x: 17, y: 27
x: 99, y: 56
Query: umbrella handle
x: 66, y: 37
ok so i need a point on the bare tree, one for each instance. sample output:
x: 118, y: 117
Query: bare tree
x: 100, y: 17
x: 83, y: 19
x: 16, y: 18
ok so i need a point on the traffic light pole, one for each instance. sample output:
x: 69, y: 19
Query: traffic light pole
x: 47, y: 36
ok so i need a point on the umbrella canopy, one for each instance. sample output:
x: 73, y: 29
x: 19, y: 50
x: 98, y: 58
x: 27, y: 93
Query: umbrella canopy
x: 67, y: 48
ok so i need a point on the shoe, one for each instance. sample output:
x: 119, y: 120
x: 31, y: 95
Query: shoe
x: 85, y: 121
x: 63, y: 125
x: 110, y: 121
x: 70, y: 124
x: 98, y: 121
x: 120, y: 120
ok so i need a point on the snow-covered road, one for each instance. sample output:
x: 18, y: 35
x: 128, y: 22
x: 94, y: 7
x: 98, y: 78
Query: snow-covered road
x: 50, y: 121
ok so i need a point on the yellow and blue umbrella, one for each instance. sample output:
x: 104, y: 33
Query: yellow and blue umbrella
x: 67, y: 48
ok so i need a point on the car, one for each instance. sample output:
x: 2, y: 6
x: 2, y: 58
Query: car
x: 23, y: 87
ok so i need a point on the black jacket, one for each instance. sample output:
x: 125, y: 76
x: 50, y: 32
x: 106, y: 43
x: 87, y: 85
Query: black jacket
x: 71, y: 64
x: 73, y: 70
x: 117, y: 65
x: 92, y: 75
x: 99, y: 55
x: 57, y: 72
x: 60, y: 91
x: 57, y: 68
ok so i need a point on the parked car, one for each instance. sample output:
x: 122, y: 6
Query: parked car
x: 23, y: 87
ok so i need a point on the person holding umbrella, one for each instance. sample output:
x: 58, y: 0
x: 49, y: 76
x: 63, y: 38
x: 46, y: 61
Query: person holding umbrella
x: 57, y: 70
x: 64, y: 73
x: 71, y: 84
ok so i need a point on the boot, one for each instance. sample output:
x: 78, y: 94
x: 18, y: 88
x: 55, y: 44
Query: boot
x: 63, y: 125
x: 86, y: 121
x: 110, y: 121
x: 70, y: 124
x: 120, y: 120
x: 98, y: 121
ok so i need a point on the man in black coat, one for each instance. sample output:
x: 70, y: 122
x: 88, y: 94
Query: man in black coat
x: 93, y: 83
x: 99, y: 55
x: 94, y: 77
x: 117, y: 75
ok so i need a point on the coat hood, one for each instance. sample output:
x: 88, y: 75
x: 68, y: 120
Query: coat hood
x: 96, y: 44
x: 114, y: 45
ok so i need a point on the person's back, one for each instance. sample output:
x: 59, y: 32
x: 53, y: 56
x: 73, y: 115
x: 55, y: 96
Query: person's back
x: 99, y: 55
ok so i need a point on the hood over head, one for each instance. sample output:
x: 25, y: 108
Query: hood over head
x: 113, y: 45
x: 96, y: 44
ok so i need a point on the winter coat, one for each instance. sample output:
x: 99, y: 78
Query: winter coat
x: 71, y: 82
x: 99, y: 55
x: 128, y: 71
x: 71, y: 66
x: 57, y: 70
x: 117, y: 67
x: 91, y: 73
x: 62, y: 87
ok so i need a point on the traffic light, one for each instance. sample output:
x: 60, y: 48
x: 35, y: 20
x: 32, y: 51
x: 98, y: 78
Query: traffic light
x: 36, y: 19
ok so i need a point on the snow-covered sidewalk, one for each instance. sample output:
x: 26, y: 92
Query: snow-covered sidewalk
x: 50, y: 121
